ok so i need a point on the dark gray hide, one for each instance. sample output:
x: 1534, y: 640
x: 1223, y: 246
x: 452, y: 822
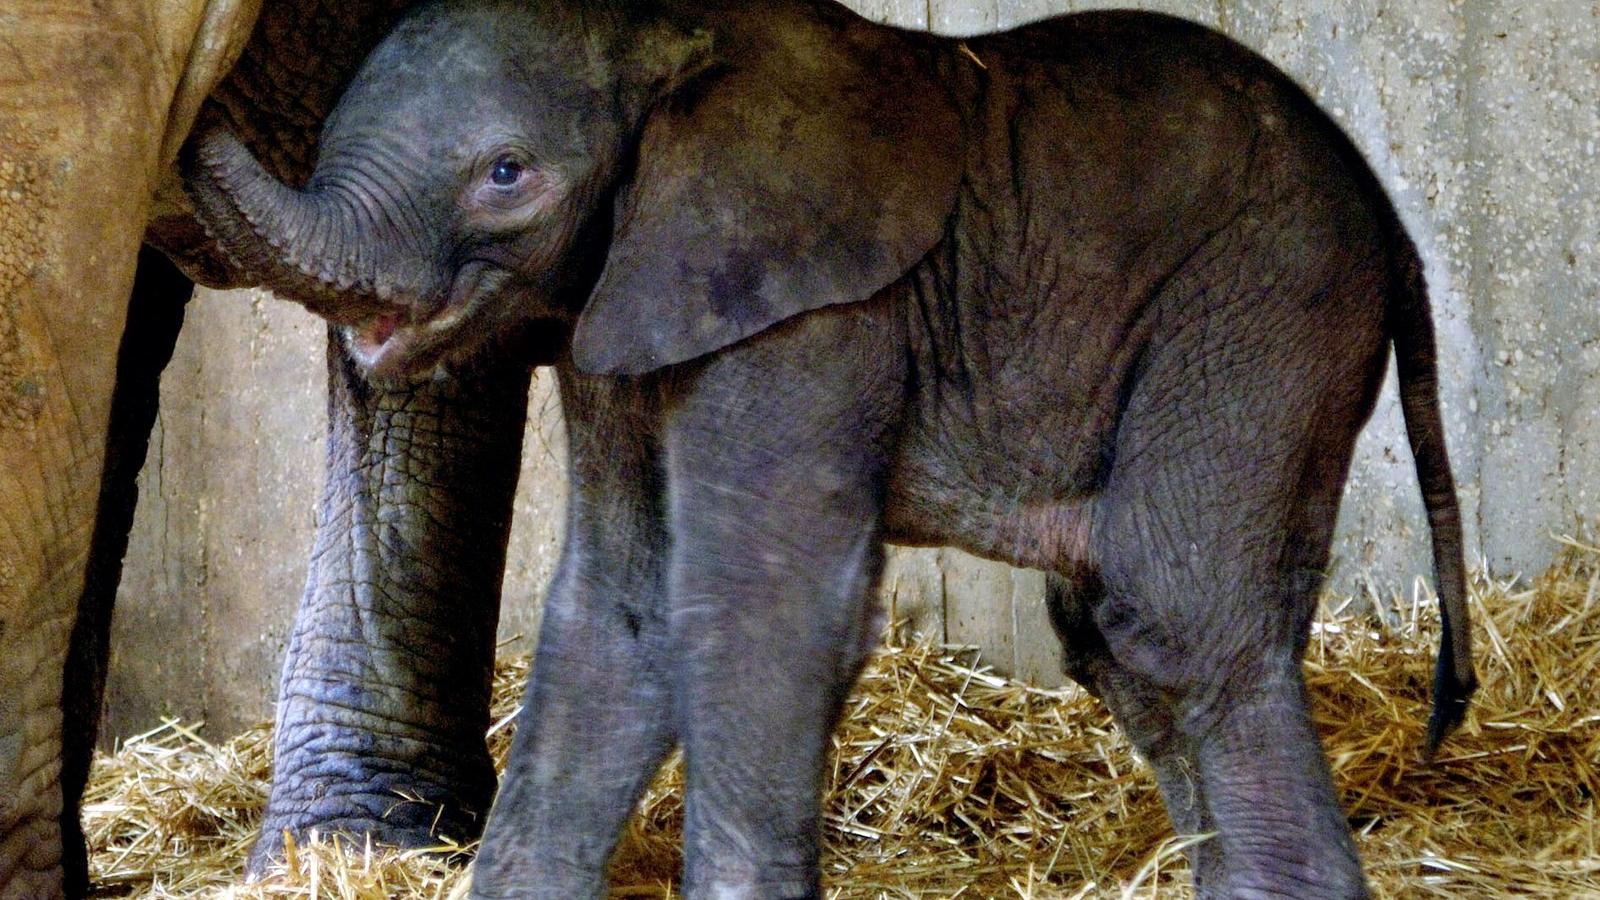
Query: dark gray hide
x: 1114, y: 303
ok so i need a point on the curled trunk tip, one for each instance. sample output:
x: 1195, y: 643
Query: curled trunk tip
x: 299, y: 244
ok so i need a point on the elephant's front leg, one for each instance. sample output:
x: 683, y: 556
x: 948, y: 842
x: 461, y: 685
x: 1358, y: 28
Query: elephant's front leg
x: 776, y: 484
x: 596, y: 719
x: 385, y: 694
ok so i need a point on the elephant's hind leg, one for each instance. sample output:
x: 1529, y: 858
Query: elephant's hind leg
x: 1146, y: 714
x: 1203, y: 671
x: 1210, y: 534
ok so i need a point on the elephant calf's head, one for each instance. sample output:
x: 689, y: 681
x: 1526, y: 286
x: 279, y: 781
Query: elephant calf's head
x: 452, y: 179
x: 597, y: 167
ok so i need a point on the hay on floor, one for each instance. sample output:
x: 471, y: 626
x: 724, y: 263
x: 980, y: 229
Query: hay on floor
x: 952, y: 781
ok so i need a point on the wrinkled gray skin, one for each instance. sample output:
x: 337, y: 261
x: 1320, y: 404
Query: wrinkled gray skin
x: 1114, y: 304
x: 385, y: 695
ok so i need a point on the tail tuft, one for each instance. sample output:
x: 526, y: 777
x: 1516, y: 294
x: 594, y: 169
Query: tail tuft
x: 1451, y: 695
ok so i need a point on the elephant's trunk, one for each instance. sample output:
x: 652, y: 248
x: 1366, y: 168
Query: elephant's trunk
x: 305, y: 245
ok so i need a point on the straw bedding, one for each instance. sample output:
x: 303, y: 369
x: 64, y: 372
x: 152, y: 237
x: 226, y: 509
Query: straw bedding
x: 951, y: 781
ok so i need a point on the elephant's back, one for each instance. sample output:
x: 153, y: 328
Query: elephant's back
x: 1119, y: 140
x: 1123, y: 48
x: 1150, y: 104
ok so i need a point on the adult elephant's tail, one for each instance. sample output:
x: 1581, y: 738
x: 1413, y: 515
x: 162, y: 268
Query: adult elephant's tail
x: 1411, y: 328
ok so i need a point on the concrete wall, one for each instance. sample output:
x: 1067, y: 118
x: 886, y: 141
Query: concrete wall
x: 1481, y: 118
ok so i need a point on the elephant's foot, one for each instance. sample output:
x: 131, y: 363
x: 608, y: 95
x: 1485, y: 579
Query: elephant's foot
x: 349, y: 797
x: 553, y: 880
x: 801, y: 887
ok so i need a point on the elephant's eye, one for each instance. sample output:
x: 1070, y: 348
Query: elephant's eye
x: 505, y: 173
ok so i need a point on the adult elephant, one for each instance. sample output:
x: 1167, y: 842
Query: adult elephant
x: 382, y: 722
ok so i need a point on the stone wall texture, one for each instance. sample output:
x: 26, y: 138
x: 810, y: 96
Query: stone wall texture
x: 1481, y: 117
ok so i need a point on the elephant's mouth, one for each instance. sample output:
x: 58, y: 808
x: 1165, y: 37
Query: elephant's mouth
x: 401, y: 343
x: 390, y: 347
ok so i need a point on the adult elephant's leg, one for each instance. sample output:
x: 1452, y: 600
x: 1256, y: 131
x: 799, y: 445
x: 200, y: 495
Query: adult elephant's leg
x: 596, y: 719
x: 155, y: 314
x: 777, y: 467
x: 84, y: 98
x: 385, y: 695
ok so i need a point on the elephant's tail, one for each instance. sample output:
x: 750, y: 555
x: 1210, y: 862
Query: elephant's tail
x: 1410, y: 326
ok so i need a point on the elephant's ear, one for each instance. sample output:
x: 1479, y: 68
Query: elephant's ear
x: 814, y: 165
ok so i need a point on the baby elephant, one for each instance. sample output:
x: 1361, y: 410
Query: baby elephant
x: 1105, y: 296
